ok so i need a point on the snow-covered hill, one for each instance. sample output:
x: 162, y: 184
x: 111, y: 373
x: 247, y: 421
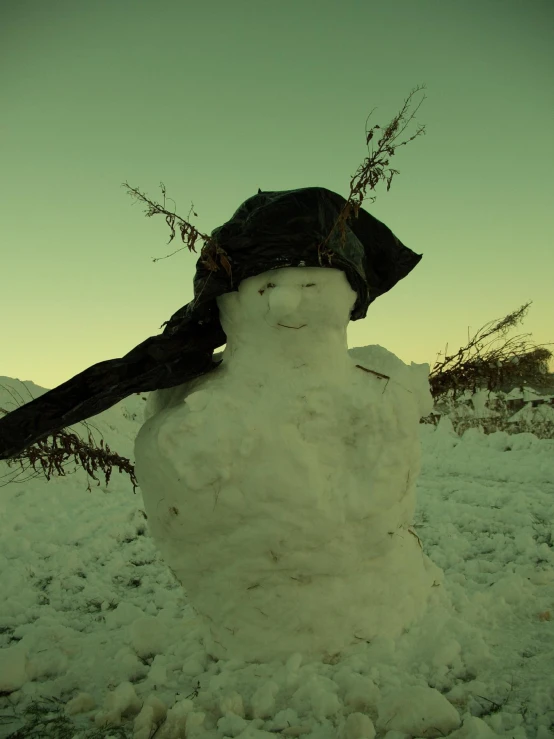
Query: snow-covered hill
x: 91, y: 617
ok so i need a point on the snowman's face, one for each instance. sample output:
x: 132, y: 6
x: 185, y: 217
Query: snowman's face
x: 290, y: 298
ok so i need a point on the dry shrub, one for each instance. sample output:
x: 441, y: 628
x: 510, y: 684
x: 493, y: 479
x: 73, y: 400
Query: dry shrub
x: 484, y: 364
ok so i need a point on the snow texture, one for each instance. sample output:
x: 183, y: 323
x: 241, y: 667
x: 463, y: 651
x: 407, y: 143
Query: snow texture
x: 280, y: 489
x: 88, y: 606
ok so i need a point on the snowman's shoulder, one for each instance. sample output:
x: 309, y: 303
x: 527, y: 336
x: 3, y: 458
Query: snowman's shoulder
x: 378, y: 359
x: 413, y: 377
x: 160, y: 400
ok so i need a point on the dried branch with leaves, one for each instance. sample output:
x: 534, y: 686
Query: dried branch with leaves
x: 54, y: 452
x: 375, y: 167
x: 211, y: 252
x: 483, y: 363
x: 52, y: 456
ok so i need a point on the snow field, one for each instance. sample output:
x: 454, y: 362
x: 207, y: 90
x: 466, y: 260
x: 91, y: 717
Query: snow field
x: 91, y: 615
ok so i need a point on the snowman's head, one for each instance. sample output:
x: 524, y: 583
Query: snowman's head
x: 299, y: 299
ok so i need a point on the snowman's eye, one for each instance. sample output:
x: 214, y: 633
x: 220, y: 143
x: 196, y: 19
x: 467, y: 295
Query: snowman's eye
x: 270, y: 284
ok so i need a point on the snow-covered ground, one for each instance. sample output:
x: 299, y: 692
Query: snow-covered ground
x: 92, y: 616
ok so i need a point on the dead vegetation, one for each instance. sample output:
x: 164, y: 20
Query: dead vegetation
x: 494, y: 362
x: 376, y: 166
x: 210, y: 253
x: 52, y: 456
x: 491, y: 360
x: 374, y: 169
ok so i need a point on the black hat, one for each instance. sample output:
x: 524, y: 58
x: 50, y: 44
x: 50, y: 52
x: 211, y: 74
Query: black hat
x: 270, y: 230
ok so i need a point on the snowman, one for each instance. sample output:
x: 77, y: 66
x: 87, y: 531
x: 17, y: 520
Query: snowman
x: 280, y: 487
x: 278, y: 477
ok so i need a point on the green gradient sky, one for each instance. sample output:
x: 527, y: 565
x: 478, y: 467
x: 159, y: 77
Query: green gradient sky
x: 219, y: 98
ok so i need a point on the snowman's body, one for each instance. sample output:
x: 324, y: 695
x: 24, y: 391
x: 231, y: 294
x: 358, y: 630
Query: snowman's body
x: 281, y: 491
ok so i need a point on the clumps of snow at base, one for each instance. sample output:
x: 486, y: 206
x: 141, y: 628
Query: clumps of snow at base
x: 488, y: 650
x: 509, y: 452
x: 281, y: 489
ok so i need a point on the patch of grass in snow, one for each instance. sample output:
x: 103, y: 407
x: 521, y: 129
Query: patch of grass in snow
x: 46, y: 719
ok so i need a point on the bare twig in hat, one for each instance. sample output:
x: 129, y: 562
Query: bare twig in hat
x: 211, y: 252
x: 375, y: 167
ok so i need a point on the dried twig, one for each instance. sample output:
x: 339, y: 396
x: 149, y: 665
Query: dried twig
x: 210, y: 253
x: 375, y: 167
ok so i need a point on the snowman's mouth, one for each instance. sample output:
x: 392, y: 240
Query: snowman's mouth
x: 295, y: 327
